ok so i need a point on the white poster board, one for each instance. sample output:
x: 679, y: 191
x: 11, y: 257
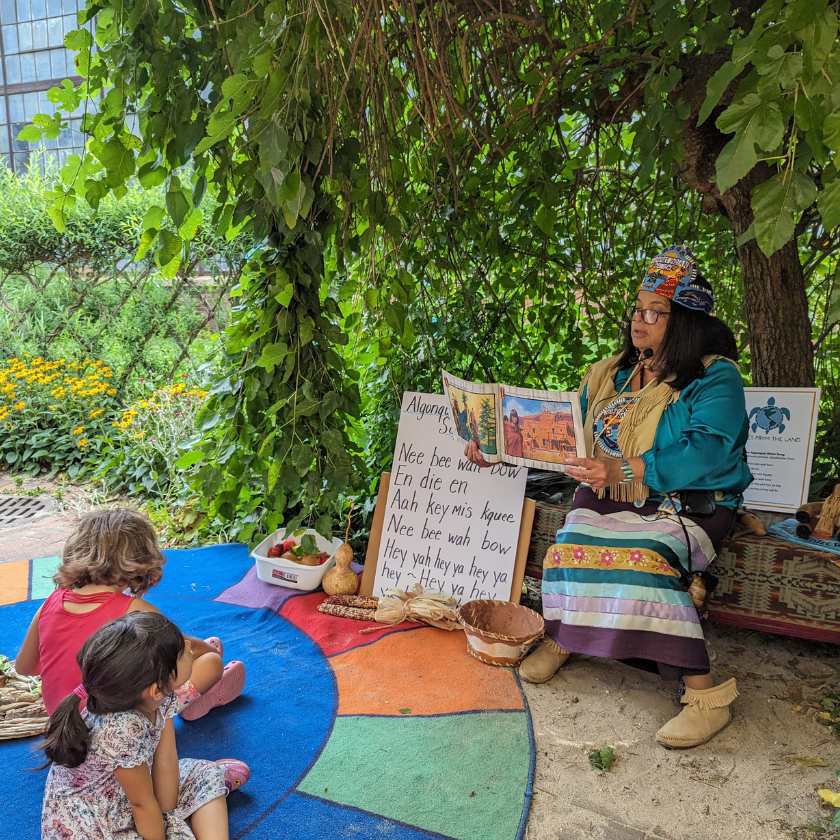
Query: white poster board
x: 780, y: 447
x: 449, y: 525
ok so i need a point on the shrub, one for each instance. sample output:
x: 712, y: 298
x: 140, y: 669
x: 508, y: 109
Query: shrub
x: 54, y: 413
x: 145, y: 442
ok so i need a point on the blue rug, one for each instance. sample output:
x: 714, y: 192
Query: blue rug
x: 303, y: 783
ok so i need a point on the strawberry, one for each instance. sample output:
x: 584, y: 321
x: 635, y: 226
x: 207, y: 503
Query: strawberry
x: 275, y: 550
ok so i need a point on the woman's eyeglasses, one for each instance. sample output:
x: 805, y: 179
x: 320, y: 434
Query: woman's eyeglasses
x: 649, y: 316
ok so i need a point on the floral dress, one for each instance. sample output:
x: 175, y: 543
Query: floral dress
x: 88, y: 803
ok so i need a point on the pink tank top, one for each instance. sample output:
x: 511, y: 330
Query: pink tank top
x: 61, y: 635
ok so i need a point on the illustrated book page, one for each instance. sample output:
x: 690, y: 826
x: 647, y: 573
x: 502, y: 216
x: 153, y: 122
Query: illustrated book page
x: 523, y: 426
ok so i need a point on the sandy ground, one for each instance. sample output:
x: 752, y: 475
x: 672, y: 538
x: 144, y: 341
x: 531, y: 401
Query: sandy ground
x: 755, y: 781
x: 752, y: 781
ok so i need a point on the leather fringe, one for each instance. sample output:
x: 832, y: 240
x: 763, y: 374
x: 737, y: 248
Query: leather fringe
x: 716, y: 697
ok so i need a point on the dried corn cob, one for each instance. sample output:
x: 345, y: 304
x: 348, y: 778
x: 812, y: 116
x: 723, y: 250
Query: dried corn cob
x: 356, y: 613
x: 364, y: 602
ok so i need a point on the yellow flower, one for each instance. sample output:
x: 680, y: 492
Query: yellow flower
x: 19, y: 405
x: 78, y: 430
x: 96, y: 412
x: 82, y: 442
x: 112, y: 392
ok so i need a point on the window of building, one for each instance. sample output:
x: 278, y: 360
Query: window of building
x: 32, y: 60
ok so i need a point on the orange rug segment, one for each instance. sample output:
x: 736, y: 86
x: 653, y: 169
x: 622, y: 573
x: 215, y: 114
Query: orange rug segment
x: 402, y: 674
x: 14, y: 581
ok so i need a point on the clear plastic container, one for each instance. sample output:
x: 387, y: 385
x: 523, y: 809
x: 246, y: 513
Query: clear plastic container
x: 287, y: 573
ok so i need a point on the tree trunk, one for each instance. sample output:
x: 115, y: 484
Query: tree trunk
x: 776, y: 309
x: 777, y: 317
x: 781, y: 350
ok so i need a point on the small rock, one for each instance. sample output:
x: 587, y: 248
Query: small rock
x: 813, y: 668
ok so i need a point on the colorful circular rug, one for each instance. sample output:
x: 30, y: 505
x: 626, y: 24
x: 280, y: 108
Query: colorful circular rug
x: 397, y: 734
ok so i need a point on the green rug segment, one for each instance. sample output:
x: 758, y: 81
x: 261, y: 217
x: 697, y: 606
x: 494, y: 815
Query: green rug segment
x: 459, y: 775
x: 43, y: 569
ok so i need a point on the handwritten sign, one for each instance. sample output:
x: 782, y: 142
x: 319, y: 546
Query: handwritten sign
x: 780, y: 447
x: 448, y: 525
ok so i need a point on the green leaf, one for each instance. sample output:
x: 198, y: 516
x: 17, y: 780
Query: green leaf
x: 754, y: 122
x: 716, y: 87
x: 273, y: 474
x: 117, y: 159
x: 79, y: 40
x: 544, y: 219
x: 189, y: 459
x: 736, y: 159
x: 602, y: 759
x: 169, y: 247
x: 150, y: 175
x: 29, y: 134
x: 272, y: 355
x: 828, y: 202
x: 831, y: 131
x: 177, y: 205
x: 800, y: 13
x: 191, y: 224
x: 777, y: 205
x: 56, y: 213
x: 233, y: 85
x: 284, y: 296
x: 146, y: 239
x: 153, y: 218
x: 818, y: 39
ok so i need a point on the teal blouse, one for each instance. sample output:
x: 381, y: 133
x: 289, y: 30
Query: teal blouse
x: 700, y: 440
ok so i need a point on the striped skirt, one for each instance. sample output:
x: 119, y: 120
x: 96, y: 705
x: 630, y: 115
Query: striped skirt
x: 609, y: 589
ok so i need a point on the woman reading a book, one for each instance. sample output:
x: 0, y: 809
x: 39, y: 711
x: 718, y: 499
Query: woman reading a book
x: 666, y: 469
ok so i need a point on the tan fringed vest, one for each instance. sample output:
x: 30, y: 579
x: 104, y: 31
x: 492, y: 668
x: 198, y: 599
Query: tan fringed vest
x: 638, y: 426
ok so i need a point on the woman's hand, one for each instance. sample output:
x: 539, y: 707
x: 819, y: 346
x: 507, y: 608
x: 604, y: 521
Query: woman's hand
x: 473, y: 453
x: 600, y: 472
x: 596, y: 472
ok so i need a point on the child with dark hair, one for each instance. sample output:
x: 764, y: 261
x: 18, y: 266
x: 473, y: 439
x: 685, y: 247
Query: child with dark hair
x: 115, y: 771
x: 110, y: 554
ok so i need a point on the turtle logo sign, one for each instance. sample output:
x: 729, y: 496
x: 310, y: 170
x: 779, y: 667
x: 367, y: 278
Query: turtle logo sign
x: 769, y: 418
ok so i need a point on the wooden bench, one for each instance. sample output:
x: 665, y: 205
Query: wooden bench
x: 765, y: 583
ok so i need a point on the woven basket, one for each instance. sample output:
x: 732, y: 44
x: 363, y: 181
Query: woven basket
x: 548, y: 519
x: 499, y: 632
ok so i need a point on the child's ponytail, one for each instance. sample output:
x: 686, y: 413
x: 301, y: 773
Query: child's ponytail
x: 68, y: 736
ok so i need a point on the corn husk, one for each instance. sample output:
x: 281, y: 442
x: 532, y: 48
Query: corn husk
x: 432, y: 608
x: 22, y: 712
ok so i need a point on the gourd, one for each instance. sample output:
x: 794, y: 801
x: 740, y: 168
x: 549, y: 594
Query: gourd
x: 341, y: 579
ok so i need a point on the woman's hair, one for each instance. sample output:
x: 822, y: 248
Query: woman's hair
x: 118, y: 662
x: 689, y: 336
x: 112, y: 547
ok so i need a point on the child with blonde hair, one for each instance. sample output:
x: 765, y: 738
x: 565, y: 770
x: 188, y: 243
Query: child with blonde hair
x: 109, y: 562
x: 115, y: 770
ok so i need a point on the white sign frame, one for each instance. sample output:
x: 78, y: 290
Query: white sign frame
x: 400, y: 559
x: 792, y: 474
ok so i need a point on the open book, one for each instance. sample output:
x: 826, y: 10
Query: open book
x: 539, y: 429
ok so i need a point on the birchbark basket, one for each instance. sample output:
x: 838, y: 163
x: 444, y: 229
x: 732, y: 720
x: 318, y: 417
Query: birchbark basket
x: 499, y: 632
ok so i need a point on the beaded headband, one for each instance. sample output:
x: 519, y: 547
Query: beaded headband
x: 672, y: 274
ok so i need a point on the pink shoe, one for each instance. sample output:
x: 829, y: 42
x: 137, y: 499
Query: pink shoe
x: 225, y: 691
x: 216, y: 643
x: 236, y: 773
